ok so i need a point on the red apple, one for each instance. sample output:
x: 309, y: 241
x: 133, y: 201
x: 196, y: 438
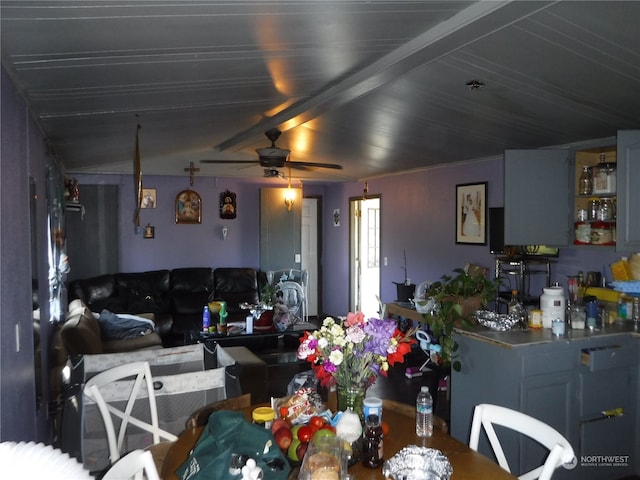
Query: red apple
x: 301, y: 450
x: 283, y: 438
x: 277, y: 424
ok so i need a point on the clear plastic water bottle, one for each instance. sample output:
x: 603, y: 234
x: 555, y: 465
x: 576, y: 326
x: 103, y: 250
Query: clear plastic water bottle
x: 424, y: 413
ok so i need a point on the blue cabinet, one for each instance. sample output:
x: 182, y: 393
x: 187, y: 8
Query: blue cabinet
x: 539, y: 193
x: 567, y: 382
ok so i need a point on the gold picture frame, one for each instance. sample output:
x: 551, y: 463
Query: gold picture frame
x: 149, y: 199
x: 188, y: 207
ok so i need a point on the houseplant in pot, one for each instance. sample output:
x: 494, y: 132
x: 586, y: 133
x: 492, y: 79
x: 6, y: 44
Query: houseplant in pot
x: 405, y: 289
x: 456, y: 298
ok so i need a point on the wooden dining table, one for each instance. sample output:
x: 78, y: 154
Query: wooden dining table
x: 467, y: 464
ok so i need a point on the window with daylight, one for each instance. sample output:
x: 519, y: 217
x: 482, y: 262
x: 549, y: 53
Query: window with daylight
x: 373, y: 234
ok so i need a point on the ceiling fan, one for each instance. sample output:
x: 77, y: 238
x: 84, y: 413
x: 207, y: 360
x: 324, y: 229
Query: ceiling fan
x: 274, y: 157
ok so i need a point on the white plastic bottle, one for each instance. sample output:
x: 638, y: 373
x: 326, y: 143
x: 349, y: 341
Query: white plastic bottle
x: 552, y: 304
x: 424, y: 413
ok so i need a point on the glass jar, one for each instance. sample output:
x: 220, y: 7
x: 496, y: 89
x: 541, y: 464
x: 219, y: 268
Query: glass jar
x: 604, y: 177
x: 585, y: 185
x: 594, y: 206
x: 605, y: 210
x: 577, y: 317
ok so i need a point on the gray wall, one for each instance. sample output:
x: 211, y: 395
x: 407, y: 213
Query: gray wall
x: 23, y: 154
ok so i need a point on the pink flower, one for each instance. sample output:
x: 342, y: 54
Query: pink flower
x: 354, y: 319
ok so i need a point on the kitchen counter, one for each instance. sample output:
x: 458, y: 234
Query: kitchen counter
x: 520, y: 338
x: 585, y: 384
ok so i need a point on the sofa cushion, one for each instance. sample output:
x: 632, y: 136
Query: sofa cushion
x: 192, y: 280
x: 97, y: 292
x: 144, y: 292
x: 191, y: 303
x: 235, y: 286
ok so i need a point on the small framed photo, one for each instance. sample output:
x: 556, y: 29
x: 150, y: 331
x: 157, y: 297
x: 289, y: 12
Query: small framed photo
x: 471, y: 213
x: 148, y: 198
x: 188, y: 207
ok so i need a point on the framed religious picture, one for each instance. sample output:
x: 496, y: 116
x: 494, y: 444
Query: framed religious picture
x: 148, y: 198
x: 471, y: 213
x: 188, y: 207
x: 228, y: 207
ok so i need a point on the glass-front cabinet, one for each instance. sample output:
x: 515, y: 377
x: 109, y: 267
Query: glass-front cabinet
x: 586, y: 195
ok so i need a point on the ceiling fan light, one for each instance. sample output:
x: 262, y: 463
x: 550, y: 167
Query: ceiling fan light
x: 273, y: 152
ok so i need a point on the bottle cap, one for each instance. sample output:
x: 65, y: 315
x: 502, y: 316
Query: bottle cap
x: 263, y: 414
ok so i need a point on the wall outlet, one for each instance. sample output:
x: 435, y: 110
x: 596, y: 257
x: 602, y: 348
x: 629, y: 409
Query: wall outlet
x: 298, y: 258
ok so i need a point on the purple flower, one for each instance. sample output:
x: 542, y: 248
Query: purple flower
x: 380, y: 333
x: 329, y: 367
x: 375, y: 368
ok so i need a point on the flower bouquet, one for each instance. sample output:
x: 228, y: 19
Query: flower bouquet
x: 350, y: 353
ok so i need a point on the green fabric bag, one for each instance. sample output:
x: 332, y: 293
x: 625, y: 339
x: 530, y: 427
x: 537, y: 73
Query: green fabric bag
x: 228, y: 433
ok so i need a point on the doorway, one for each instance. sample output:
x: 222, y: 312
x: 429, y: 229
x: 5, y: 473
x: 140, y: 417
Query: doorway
x: 364, y: 255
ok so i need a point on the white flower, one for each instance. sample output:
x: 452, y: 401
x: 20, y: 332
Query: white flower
x: 340, y: 341
x: 337, y: 331
x: 355, y: 334
x: 322, y: 342
x: 336, y: 357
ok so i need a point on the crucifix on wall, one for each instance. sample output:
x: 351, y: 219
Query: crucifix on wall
x: 192, y: 169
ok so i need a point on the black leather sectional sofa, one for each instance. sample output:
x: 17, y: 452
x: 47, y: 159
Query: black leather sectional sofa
x: 176, y: 297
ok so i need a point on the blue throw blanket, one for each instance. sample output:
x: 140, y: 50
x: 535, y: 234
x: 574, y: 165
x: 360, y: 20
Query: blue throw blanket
x: 123, y: 326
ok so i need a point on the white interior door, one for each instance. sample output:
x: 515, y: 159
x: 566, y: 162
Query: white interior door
x: 364, y: 224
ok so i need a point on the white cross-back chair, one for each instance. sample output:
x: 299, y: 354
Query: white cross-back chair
x: 560, y: 450
x: 134, y: 376
x: 137, y: 465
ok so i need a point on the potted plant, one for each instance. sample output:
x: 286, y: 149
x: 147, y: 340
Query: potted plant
x: 405, y: 289
x: 456, y: 298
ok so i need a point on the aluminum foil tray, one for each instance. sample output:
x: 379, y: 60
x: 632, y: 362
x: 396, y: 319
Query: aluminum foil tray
x: 417, y: 463
x: 499, y: 322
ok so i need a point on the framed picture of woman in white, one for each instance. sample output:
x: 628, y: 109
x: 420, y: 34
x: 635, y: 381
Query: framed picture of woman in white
x: 471, y: 213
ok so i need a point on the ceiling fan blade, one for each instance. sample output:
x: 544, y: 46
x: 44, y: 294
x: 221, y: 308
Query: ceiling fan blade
x: 230, y: 161
x: 313, y: 164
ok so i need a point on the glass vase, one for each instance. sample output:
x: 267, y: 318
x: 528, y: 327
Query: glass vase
x: 351, y: 397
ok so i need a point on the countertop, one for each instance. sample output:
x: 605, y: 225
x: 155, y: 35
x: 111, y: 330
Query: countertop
x: 523, y: 338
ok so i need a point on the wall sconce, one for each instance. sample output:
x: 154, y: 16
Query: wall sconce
x: 289, y: 198
x: 149, y: 232
x: 225, y: 232
x: 289, y: 195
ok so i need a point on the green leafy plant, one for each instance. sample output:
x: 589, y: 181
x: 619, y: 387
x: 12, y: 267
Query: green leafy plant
x: 269, y: 294
x: 455, y: 299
